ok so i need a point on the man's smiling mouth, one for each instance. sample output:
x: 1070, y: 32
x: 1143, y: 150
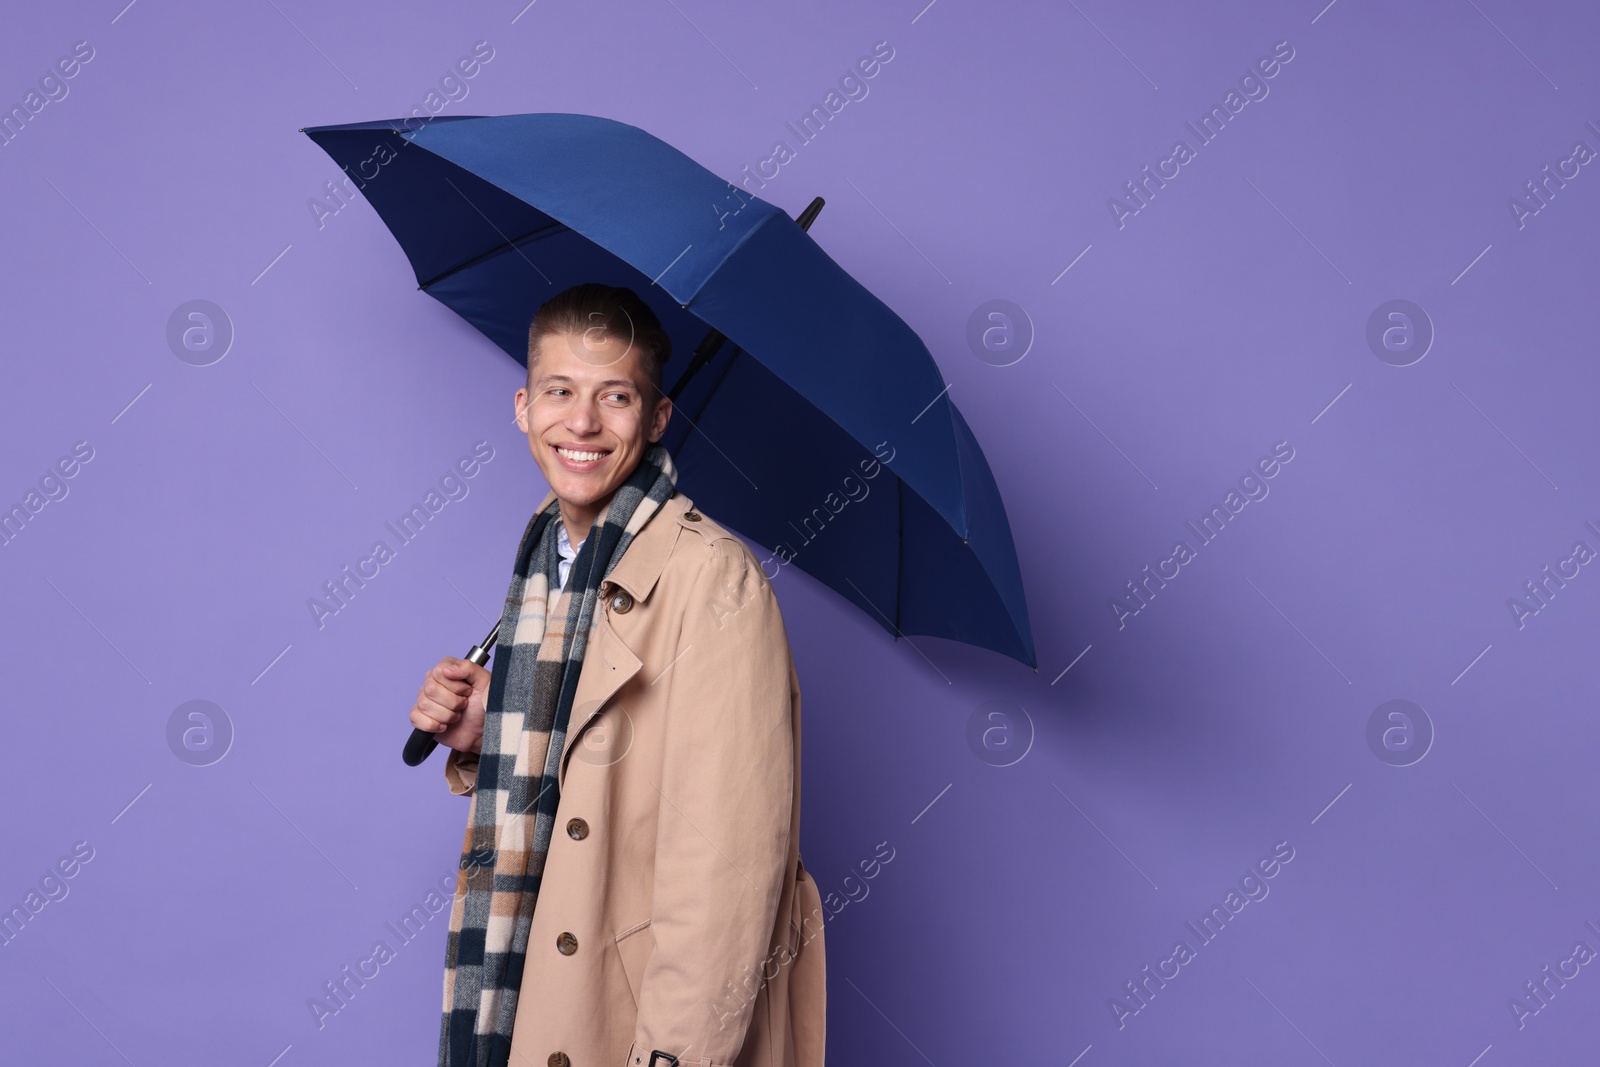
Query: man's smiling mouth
x: 578, y: 456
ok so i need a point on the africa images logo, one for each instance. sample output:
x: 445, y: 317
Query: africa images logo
x: 1253, y: 87
x: 1252, y: 487
x: 1252, y: 887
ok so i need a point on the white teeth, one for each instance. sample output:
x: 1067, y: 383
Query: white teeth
x: 580, y: 457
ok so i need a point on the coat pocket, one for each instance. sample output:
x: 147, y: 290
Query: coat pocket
x: 634, y: 946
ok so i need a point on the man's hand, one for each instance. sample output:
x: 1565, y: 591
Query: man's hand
x: 451, y: 703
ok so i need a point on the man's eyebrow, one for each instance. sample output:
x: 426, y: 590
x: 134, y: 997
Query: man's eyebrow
x: 608, y: 384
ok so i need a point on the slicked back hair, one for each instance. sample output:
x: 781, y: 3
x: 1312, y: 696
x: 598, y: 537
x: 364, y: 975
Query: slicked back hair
x: 612, y: 311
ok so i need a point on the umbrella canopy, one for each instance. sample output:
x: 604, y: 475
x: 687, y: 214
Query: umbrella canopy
x: 823, y: 431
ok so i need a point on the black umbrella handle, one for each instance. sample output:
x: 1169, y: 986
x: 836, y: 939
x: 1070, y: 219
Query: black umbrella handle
x: 420, y: 745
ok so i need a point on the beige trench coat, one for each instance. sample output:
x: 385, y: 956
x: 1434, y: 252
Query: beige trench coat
x: 675, y: 859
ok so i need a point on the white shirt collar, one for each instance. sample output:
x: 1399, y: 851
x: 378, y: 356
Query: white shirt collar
x: 566, y: 552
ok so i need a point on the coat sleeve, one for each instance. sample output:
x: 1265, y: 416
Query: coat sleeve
x: 722, y: 839
x: 461, y: 772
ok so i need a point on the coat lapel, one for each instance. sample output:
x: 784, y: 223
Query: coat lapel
x: 607, y: 665
x: 609, y: 661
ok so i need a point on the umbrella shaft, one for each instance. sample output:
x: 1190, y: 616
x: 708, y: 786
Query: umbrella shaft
x: 707, y: 348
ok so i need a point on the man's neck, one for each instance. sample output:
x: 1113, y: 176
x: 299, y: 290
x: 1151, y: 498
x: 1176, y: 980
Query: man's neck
x: 578, y: 521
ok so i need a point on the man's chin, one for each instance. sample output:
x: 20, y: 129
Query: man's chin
x: 583, y: 489
x: 580, y: 492
x: 570, y: 484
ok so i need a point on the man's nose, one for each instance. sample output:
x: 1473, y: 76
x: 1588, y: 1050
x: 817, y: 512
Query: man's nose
x: 582, y: 417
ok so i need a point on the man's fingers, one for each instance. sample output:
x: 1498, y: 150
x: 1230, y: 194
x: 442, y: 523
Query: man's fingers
x: 468, y: 671
x: 451, y: 678
x: 447, y: 695
x: 433, y: 709
x: 446, y: 688
x: 423, y: 722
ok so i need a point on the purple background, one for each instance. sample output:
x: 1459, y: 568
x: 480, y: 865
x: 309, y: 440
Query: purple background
x: 1230, y: 714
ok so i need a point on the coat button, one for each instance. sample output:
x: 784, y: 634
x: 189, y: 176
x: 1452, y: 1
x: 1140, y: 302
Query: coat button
x: 566, y: 944
x: 559, y: 1059
x: 577, y: 829
x: 622, y: 603
x: 692, y: 516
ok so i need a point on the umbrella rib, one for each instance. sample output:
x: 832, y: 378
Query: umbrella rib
x: 897, y: 634
x: 716, y: 383
x: 694, y: 424
x: 496, y: 250
x: 900, y: 545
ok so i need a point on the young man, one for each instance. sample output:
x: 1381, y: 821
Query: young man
x: 634, y: 757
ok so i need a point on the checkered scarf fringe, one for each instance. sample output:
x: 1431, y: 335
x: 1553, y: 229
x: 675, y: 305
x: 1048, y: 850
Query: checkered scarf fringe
x: 529, y: 704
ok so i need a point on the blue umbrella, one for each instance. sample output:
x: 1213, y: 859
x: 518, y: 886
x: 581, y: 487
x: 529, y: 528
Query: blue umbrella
x: 823, y: 430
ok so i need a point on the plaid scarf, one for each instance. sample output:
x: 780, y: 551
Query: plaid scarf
x: 529, y: 703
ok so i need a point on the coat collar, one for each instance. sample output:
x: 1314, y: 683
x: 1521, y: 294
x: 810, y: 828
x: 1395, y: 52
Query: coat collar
x: 646, y: 557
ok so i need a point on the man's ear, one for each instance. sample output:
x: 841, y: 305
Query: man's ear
x: 520, y: 405
x: 659, y: 419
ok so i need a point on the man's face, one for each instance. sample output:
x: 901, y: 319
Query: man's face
x: 590, y: 414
